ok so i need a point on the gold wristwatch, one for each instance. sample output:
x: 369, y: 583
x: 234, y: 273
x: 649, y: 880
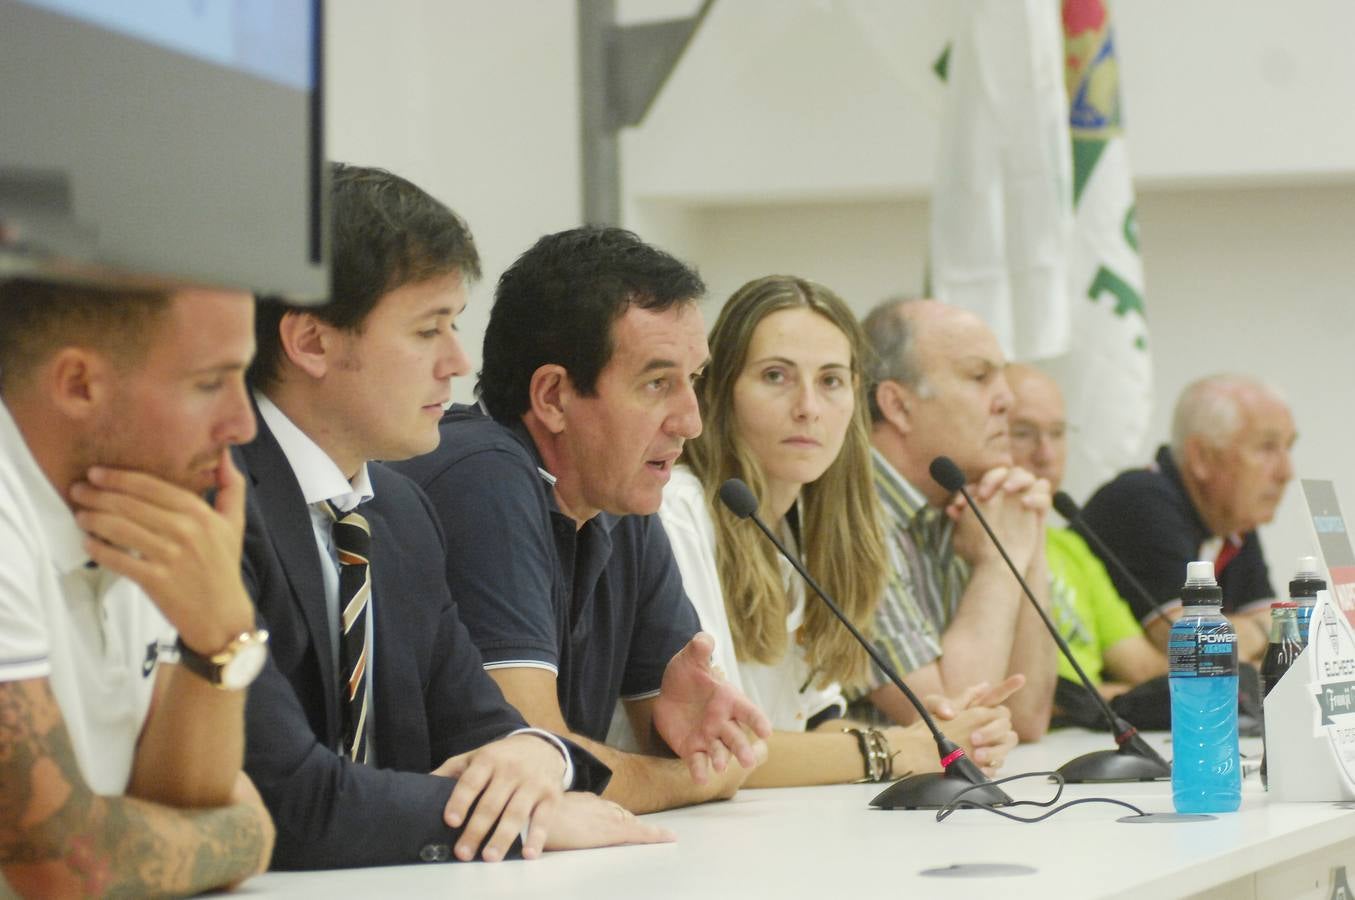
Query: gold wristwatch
x: 232, y: 668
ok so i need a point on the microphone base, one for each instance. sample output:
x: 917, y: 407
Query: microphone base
x: 933, y: 790
x: 1110, y: 766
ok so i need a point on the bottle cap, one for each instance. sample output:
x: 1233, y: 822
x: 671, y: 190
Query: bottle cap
x: 1307, y: 580
x: 1201, y: 571
x: 1284, y: 604
x: 1200, y: 588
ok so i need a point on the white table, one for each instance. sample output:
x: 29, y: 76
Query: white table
x: 827, y: 843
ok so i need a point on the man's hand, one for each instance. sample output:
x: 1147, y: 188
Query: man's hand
x: 1015, y: 504
x: 703, y: 718
x: 580, y: 821
x: 183, y: 552
x: 517, y: 781
x: 724, y: 785
x: 978, y: 721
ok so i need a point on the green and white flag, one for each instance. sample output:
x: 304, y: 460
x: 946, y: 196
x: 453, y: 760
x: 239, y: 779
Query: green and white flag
x: 1033, y: 222
x: 1107, y: 374
x: 1001, y: 203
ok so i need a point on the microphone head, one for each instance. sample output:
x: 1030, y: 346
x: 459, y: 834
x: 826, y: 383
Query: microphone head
x: 738, y: 497
x: 1066, y: 506
x: 945, y: 473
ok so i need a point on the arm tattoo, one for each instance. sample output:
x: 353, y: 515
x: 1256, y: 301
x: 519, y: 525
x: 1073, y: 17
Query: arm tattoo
x: 58, y: 836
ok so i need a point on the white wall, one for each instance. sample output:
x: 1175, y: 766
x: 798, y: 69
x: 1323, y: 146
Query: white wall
x: 1261, y: 281
x: 816, y: 99
x: 475, y: 102
x: 1222, y: 91
x: 785, y: 142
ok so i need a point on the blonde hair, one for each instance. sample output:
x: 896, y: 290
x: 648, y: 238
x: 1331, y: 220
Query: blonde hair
x: 842, y: 538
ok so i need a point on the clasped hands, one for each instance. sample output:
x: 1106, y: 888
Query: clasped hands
x: 1015, y: 504
x: 978, y: 720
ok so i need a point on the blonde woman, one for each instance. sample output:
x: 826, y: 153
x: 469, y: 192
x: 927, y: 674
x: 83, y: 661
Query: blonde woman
x: 782, y: 403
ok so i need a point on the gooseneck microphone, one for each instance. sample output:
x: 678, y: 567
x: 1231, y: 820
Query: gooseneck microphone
x: 1068, y: 508
x: 1135, y: 760
x: 931, y: 790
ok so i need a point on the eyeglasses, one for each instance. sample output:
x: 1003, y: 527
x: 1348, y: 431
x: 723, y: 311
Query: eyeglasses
x: 1028, y: 435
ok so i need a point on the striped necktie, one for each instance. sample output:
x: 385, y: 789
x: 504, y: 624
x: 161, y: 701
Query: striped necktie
x: 353, y: 540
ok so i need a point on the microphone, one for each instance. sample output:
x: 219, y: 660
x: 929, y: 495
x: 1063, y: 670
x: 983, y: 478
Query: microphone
x: 1135, y: 760
x: 930, y: 790
x: 1067, y: 507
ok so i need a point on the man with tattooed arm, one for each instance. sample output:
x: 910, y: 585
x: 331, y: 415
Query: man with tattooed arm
x: 120, y: 771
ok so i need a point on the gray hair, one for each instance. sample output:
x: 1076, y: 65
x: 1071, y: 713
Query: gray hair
x: 1212, y: 408
x: 893, y: 342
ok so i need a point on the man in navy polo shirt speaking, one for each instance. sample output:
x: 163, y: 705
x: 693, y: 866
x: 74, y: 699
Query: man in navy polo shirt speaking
x: 547, y: 489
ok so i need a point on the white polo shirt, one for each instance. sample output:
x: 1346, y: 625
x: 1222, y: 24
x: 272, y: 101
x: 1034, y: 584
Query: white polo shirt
x: 87, y: 631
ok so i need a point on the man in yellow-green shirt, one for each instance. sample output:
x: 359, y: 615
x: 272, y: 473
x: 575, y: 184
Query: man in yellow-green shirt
x: 1096, y: 622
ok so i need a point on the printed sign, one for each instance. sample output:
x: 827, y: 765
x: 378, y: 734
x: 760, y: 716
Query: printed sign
x: 1331, y: 657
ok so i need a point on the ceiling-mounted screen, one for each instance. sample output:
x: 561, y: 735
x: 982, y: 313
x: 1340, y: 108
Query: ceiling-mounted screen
x: 175, y: 138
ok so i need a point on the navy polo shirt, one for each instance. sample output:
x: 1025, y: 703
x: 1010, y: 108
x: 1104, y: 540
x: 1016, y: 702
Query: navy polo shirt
x: 1146, y: 518
x: 602, y: 607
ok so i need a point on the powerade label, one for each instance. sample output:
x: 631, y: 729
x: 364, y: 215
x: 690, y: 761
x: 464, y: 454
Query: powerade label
x: 1212, y: 650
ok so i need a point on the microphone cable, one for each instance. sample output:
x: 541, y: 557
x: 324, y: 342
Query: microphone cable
x: 959, y: 801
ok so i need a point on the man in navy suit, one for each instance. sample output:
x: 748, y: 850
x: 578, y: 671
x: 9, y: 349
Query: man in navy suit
x: 418, y: 757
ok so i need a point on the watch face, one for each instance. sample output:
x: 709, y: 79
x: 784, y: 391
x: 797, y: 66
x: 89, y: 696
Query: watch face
x: 241, y: 671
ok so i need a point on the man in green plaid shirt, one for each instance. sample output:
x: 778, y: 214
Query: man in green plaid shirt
x: 952, y: 617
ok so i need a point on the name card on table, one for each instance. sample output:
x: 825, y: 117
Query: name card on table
x: 1310, y: 713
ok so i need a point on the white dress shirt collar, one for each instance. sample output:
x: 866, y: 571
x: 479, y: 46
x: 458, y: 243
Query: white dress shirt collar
x: 319, y: 476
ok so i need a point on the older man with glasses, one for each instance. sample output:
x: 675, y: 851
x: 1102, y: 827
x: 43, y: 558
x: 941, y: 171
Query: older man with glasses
x: 1090, y: 614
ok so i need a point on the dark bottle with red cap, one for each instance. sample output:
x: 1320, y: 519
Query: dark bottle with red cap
x: 1284, y: 648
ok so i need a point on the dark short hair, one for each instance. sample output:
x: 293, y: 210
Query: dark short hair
x: 556, y: 305
x: 38, y: 318
x: 386, y: 233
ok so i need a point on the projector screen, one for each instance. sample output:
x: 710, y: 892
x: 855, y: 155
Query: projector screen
x: 176, y: 138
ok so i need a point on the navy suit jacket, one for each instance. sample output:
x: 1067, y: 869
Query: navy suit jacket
x: 431, y: 696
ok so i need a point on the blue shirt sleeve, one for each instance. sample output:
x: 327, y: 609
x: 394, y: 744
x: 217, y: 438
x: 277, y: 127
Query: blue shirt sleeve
x: 500, y: 556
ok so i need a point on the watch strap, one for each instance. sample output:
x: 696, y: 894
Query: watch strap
x: 196, y: 663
